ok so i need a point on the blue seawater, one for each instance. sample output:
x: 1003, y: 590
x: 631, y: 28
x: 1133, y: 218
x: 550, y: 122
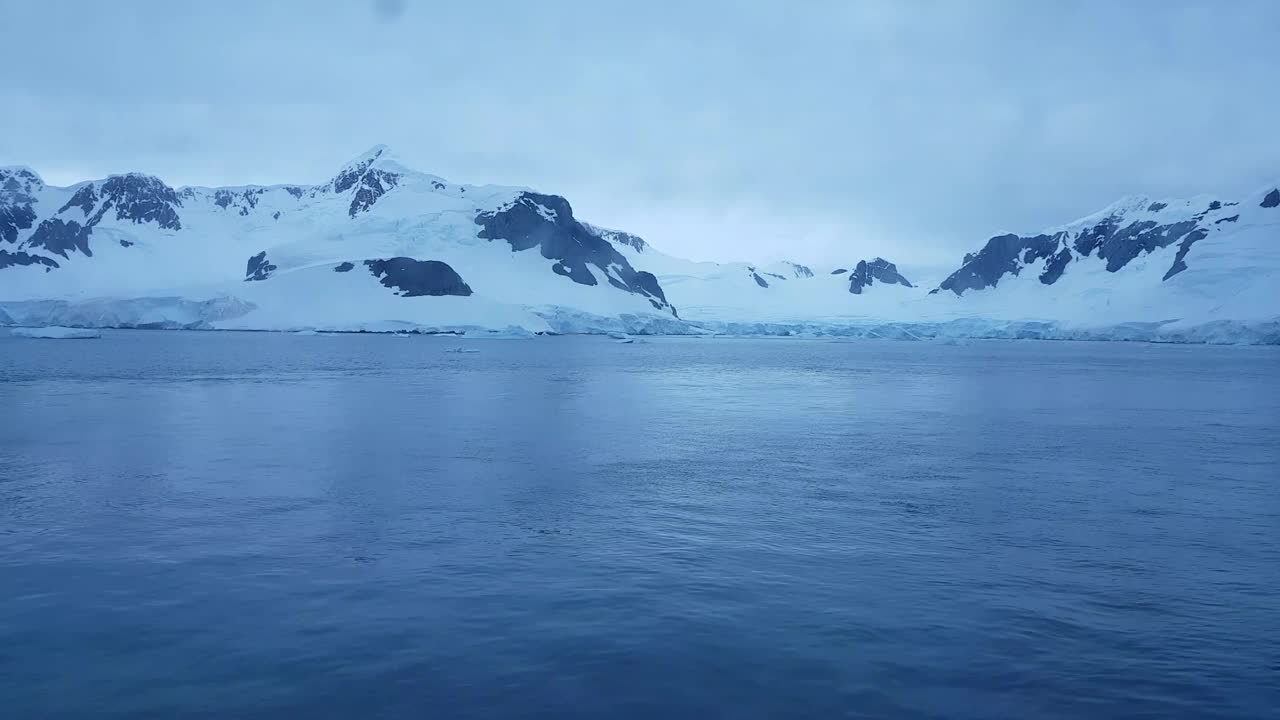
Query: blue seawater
x: 251, y: 525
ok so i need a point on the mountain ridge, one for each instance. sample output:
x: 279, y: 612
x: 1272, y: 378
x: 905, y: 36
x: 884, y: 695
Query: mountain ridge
x: 382, y: 246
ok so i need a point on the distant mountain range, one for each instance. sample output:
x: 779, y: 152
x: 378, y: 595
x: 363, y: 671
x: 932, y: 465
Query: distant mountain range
x: 381, y: 247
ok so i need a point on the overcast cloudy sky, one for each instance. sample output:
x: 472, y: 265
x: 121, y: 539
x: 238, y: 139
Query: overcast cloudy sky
x: 820, y: 131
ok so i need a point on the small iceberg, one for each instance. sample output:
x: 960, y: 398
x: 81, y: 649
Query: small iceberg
x: 619, y: 336
x: 57, y: 333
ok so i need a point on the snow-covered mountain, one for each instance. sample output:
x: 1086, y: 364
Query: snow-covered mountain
x: 378, y: 247
x: 1191, y: 264
x: 384, y: 247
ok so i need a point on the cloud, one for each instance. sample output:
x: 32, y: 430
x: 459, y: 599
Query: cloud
x: 819, y: 130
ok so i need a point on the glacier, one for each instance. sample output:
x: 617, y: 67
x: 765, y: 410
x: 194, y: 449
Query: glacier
x: 381, y: 247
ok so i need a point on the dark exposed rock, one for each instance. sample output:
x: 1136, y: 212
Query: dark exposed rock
x: 801, y: 271
x: 776, y: 275
x: 1055, y: 267
x: 1090, y: 238
x: 140, y: 198
x: 125, y: 243
x: 1141, y: 237
x: 415, y: 278
x: 258, y: 268
x: 16, y: 202
x: 546, y: 222
x: 760, y: 281
x: 61, y: 236
x: 577, y: 273
x: 865, y: 274
x: 1179, y: 263
x: 1118, y: 245
x: 373, y: 185
x: 648, y: 284
x: 293, y: 190
x: 999, y: 257
x: 8, y: 259
x: 1113, y: 239
x: 243, y: 200
x: 86, y: 198
x: 137, y: 198
x: 839, y: 271
x: 1272, y: 199
x: 370, y: 183
x: 275, y: 215
x: 1157, y: 206
x: 14, y: 218
x: 19, y: 181
x: 343, y: 267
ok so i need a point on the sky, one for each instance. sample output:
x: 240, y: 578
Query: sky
x: 817, y: 131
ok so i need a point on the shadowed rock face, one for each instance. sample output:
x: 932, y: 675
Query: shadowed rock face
x: 1272, y: 199
x: 760, y: 281
x: 1055, y: 267
x: 140, y: 198
x: 86, y: 198
x: 343, y: 267
x: 258, y: 268
x: 8, y: 259
x: 62, y: 236
x: 999, y: 257
x: 243, y: 201
x: 1112, y: 239
x: 1179, y: 263
x: 546, y: 222
x: 370, y: 183
x: 415, y: 278
x: 16, y: 200
x: 1120, y: 246
x: 865, y: 274
x: 135, y: 198
x: 14, y: 218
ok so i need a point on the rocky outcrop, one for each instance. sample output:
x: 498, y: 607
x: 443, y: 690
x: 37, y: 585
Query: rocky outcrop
x: 258, y: 268
x: 8, y: 259
x: 865, y: 274
x: 17, y: 189
x: 415, y: 278
x: 365, y: 182
x: 1130, y: 230
x: 546, y: 223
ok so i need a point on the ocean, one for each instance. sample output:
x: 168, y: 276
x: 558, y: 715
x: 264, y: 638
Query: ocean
x: 257, y: 525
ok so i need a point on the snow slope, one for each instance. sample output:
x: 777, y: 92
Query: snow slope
x: 382, y: 247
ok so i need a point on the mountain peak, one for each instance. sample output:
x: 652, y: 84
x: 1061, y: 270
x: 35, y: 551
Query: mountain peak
x: 371, y: 154
x: 381, y: 157
x: 16, y: 177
